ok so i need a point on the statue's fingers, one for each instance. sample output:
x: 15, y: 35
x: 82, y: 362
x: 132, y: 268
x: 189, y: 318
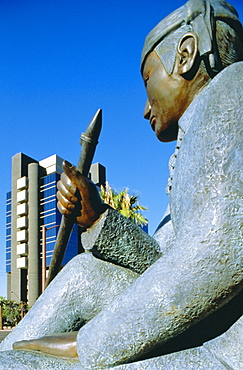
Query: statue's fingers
x: 73, y: 178
x: 70, y: 170
x: 65, y: 191
x: 69, y: 182
x: 64, y: 204
x: 63, y: 210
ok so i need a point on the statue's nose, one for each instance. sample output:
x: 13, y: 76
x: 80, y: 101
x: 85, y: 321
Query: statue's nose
x: 147, y: 110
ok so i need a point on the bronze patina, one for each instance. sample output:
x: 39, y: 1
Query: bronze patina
x: 88, y: 140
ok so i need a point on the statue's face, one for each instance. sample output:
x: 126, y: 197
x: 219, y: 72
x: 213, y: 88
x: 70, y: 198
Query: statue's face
x: 165, y: 103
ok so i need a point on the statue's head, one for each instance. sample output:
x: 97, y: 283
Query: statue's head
x: 192, y: 45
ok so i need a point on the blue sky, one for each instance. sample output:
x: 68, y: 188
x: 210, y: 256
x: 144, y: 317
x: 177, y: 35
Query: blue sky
x: 60, y: 61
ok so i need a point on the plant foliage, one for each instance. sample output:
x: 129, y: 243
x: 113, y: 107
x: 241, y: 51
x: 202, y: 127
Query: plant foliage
x: 128, y: 205
x: 11, y: 311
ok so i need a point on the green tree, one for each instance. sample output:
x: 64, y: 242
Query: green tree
x: 128, y: 205
x: 11, y: 312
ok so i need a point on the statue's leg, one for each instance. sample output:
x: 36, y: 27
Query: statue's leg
x: 79, y: 292
x: 133, y: 324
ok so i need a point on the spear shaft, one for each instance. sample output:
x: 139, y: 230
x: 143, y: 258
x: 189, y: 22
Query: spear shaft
x: 89, y: 141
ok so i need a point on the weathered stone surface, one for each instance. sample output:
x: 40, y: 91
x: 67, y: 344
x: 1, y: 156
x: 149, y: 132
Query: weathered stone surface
x: 16, y: 360
x: 83, y: 288
x: 192, y: 359
x: 117, y: 240
x: 196, y: 358
x: 228, y: 347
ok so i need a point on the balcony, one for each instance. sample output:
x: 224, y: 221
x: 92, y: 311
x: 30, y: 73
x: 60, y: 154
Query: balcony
x: 22, y: 209
x: 22, y: 263
x: 22, y: 183
x: 22, y: 249
x: 22, y: 222
x: 22, y: 236
x: 22, y: 196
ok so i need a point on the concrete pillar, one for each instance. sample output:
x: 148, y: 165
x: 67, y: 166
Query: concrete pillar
x: 15, y: 288
x: 34, y: 240
x: 8, y: 285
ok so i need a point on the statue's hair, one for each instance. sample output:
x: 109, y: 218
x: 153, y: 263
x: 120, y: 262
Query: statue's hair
x: 229, y: 43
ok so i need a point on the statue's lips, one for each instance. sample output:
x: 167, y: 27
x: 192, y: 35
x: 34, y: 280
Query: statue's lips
x: 153, y: 122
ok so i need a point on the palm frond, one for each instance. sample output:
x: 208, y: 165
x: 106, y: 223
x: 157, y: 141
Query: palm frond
x: 124, y: 203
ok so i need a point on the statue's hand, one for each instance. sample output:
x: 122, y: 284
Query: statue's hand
x: 78, y: 196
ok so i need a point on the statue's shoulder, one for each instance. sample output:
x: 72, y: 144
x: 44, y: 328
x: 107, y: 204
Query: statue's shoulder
x: 223, y: 94
x: 211, y: 153
x: 229, y: 79
x: 225, y: 86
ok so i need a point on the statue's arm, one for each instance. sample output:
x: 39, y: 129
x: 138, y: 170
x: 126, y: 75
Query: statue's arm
x: 109, y: 235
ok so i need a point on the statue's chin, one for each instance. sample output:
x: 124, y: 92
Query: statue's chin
x: 168, y: 135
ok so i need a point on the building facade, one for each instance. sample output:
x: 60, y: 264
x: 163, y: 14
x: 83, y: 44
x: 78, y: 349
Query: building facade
x: 32, y: 224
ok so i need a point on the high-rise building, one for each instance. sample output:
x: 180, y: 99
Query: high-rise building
x: 32, y: 222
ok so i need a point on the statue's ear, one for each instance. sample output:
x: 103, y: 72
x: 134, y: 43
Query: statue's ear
x: 187, y: 51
